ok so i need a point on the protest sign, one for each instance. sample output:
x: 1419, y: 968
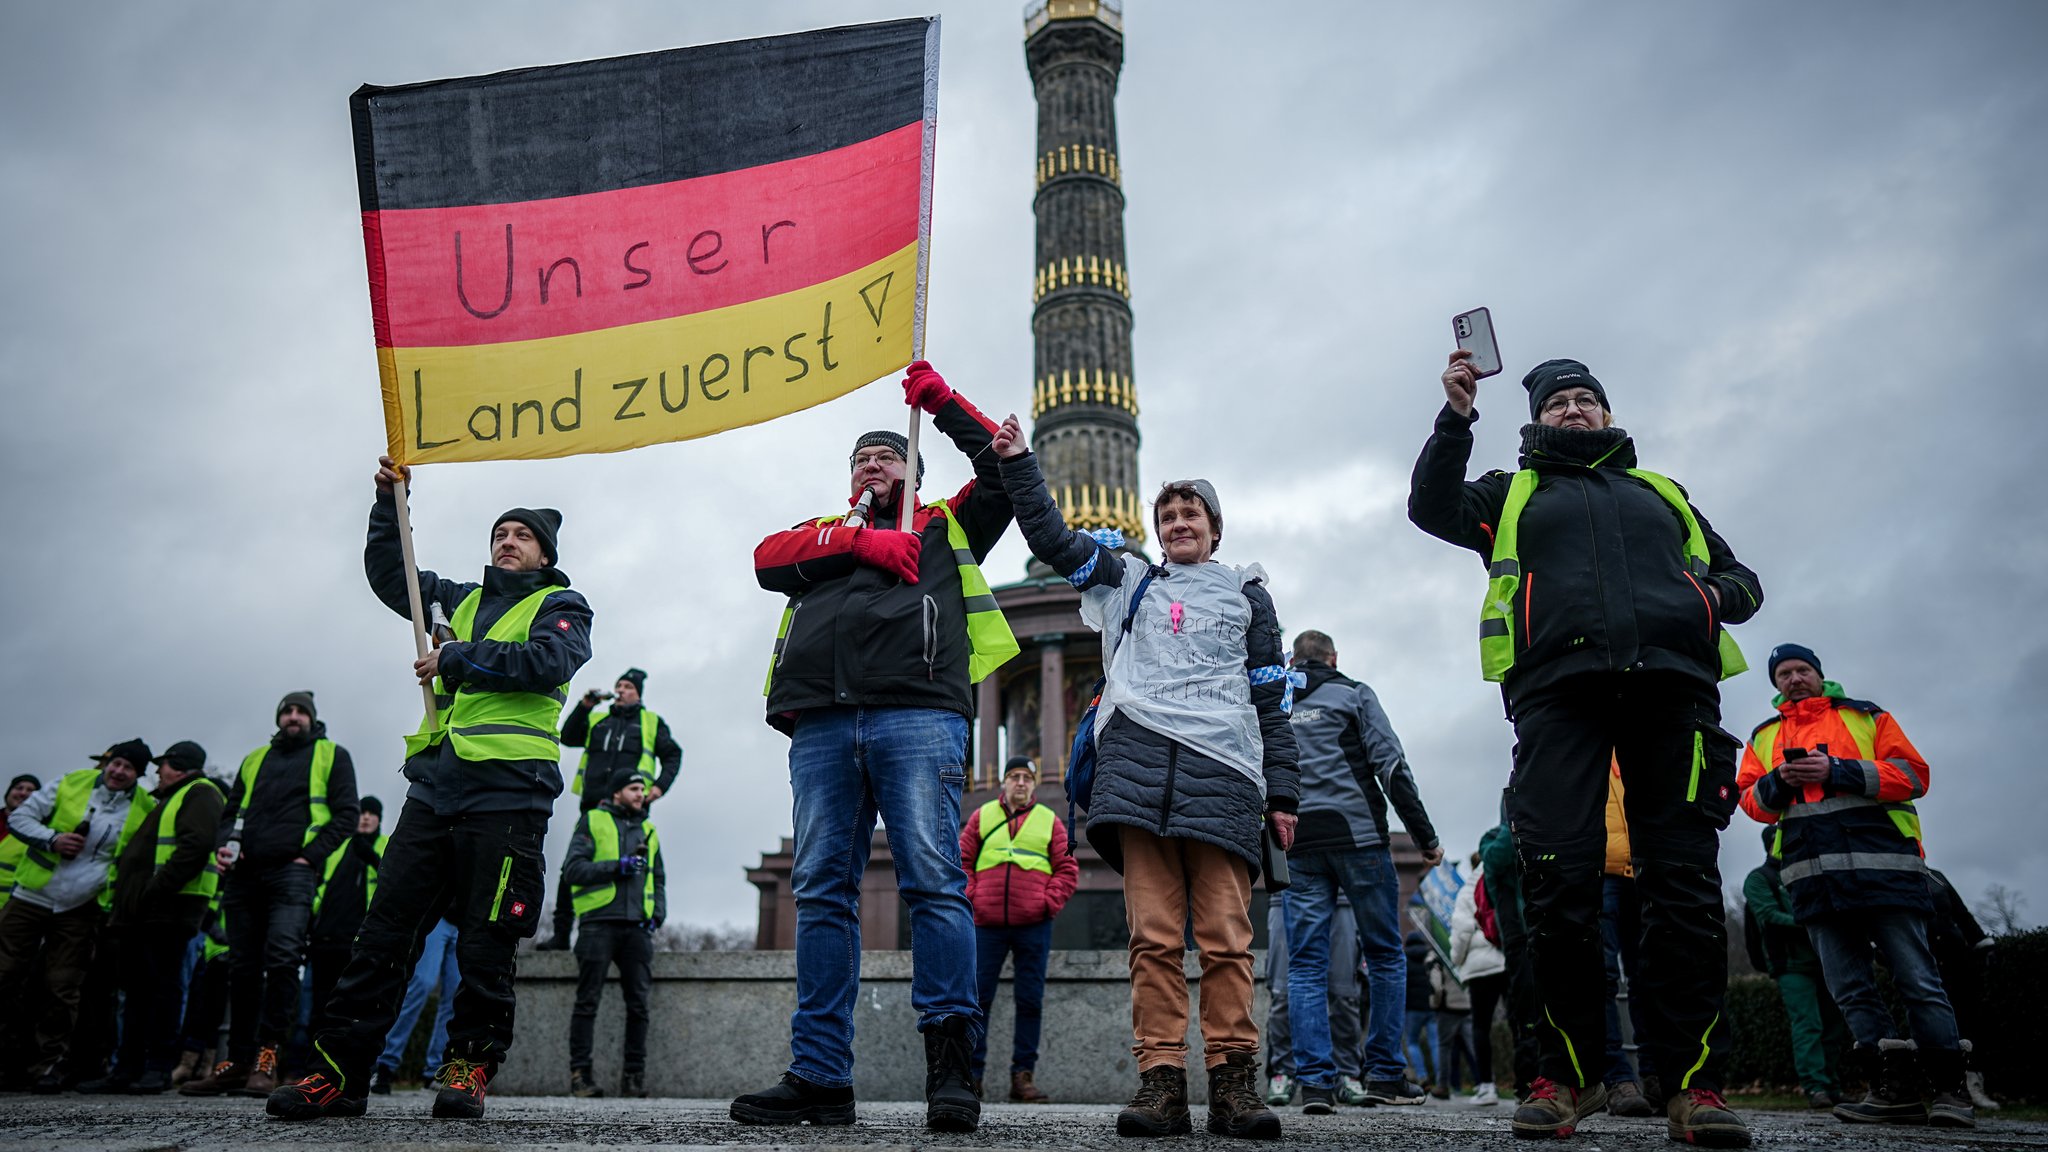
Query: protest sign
x: 603, y: 255
x: 1436, y: 898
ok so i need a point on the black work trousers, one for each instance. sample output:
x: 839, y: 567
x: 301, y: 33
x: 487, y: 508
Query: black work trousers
x: 152, y: 959
x: 603, y: 944
x: 65, y: 943
x: 1678, y: 778
x: 267, y: 908
x: 482, y: 871
x: 206, y: 1005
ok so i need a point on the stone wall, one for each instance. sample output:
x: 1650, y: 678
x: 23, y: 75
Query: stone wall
x: 721, y: 1027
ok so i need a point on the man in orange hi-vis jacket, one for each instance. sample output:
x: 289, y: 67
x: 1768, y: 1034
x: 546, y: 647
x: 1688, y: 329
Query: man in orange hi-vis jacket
x: 1838, y: 777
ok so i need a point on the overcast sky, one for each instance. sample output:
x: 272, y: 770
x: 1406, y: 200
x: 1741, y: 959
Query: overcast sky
x: 1804, y: 247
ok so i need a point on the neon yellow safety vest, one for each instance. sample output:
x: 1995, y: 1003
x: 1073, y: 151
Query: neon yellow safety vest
x: 333, y: 863
x: 215, y: 938
x: 604, y: 834
x: 494, y: 725
x: 208, y: 881
x: 649, y: 725
x: 11, y: 850
x: 317, y: 814
x: 1497, y: 614
x: 1030, y: 850
x: 990, y: 642
x: 1863, y: 730
x: 74, y: 792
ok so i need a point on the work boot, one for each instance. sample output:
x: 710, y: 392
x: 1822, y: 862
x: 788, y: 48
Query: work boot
x: 974, y: 1085
x: 582, y: 1086
x: 949, y: 1101
x: 1894, y: 1095
x: 793, y: 1101
x: 1822, y: 1100
x: 48, y: 1084
x: 1700, y: 1116
x: 633, y: 1085
x: 114, y: 1083
x: 1317, y: 1101
x: 1974, y: 1080
x: 1951, y: 1107
x: 1023, y: 1091
x: 1627, y: 1099
x: 1160, y: 1107
x: 380, y: 1081
x: 225, y: 1077
x: 462, y: 1090
x: 190, y: 1066
x: 263, y: 1077
x: 1554, y: 1109
x: 1235, y: 1108
x: 151, y: 1083
x: 314, y: 1096
x: 1653, y: 1091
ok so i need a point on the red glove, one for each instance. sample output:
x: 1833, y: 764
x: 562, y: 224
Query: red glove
x: 924, y: 388
x: 889, y: 550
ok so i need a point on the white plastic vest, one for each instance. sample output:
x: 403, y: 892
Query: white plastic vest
x: 1189, y: 685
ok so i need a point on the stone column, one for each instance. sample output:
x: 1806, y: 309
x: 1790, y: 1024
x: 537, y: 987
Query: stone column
x: 989, y: 715
x: 1052, y: 708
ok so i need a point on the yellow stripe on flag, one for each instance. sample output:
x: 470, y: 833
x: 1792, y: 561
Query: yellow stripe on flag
x: 620, y: 388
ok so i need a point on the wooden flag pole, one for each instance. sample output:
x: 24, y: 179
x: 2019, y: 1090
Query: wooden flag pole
x: 420, y: 642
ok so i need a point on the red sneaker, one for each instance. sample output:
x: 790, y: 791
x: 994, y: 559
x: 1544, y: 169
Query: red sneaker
x: 1701, y: 1116
x: 313, y: 1097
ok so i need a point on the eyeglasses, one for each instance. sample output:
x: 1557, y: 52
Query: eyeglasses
x: 884, y: 457
x: 1557, y: 405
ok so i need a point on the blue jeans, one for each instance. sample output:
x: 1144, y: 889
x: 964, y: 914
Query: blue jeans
x: 1844, y: 942
x: 846, y: 765
x: 436, y: 967
x: 1344, y: 1006
x: 1621, y: 935
x: 1367, y: 876
x: 1418, y: 1044
x: 1031, y: 945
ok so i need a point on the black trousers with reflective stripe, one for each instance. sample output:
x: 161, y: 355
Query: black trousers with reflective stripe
x: 1566, y: 738
x: 484, y: 872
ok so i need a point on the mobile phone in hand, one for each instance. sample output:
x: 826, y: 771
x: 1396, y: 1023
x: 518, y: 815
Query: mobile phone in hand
x: 1474, y: 332
x: 1795, y: 754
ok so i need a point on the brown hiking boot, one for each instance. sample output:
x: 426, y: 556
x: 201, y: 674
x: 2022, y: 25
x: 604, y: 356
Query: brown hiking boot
x: 262, y: 1078
x: 1161, y: 1106
x: 1554, y: 1109
x: 188, y: 1068
x: 1236, y: 1107
x: 1023, y: 1091
x: 1700, y: 1116
x: 225, y: 1077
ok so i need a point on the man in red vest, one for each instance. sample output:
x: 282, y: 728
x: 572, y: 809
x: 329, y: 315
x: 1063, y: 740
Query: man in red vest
x: 1020, y: 873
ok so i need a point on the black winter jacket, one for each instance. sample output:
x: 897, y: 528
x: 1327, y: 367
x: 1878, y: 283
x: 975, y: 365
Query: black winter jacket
x: 556, y: 646
x: 1146, y: 779
x: 347, y: 893
x: 275, y: 819
x: 147, y: 894
x: 860, y: 636
x: 580, y: 869
x: 1604, y: 580
x: 615, y: 747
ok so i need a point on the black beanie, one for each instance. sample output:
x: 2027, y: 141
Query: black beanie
x: 1784, y: 652
x: 1017, y: 762
x: 624, y: 776
x: 302, y: 699
x: 185, y: 756
x: 135, y: 752
x: 1555, y: 376
x: 636, y: 677
x: 546, y: 524
x: 20, y: 778
x: 886, y: 439
x: 373, y: 806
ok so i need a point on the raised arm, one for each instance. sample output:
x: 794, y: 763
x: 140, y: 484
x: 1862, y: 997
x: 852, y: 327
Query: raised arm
x: 384, y: 559
x: 1085, y: 561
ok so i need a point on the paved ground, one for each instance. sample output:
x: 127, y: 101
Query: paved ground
x: 147, y: 1124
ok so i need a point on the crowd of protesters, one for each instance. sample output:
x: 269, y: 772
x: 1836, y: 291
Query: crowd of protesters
x: 1212, y: 758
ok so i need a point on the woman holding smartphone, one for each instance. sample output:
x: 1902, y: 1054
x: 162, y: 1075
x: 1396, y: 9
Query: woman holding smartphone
x: 1602, y: 622
x: 1193, y: 756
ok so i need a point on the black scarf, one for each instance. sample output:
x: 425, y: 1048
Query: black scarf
x: 1583, y: 446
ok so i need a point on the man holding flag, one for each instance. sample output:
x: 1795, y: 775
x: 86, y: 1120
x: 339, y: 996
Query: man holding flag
x: 889, y: 625
x: 485, y: 771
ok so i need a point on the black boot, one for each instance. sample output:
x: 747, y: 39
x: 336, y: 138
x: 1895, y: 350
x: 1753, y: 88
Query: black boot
x: 793, y: 1101
x: 1161, y: 1106
x: 1235, y: 1106
x: 1894, y: 1096
x: 1951, y: 1107
x: 950, y: 1104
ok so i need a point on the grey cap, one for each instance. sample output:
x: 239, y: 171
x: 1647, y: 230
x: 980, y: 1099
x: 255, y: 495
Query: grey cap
x: 1207, y: 492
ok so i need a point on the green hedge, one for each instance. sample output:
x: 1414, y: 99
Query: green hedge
x: 1761, y: 1054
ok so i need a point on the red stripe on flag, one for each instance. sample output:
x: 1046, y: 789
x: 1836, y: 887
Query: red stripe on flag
x: 639, y: 254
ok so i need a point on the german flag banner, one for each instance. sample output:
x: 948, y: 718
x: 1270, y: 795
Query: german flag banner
x: 609, y: 254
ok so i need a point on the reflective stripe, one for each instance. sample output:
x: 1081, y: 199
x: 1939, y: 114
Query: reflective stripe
x: 1834, y: 805
x: 1493, y: 626
x: 1507, y: 567
x: 507, y: 730
x: 963, y: 557
x: 1706, y: 1050
x: 982, y: 604
x: 495, y: 725
x: 1854, y: 862
x: 1870, y: 778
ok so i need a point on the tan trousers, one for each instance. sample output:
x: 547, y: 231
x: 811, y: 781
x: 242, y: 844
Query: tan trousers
x: 1167, y: 879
